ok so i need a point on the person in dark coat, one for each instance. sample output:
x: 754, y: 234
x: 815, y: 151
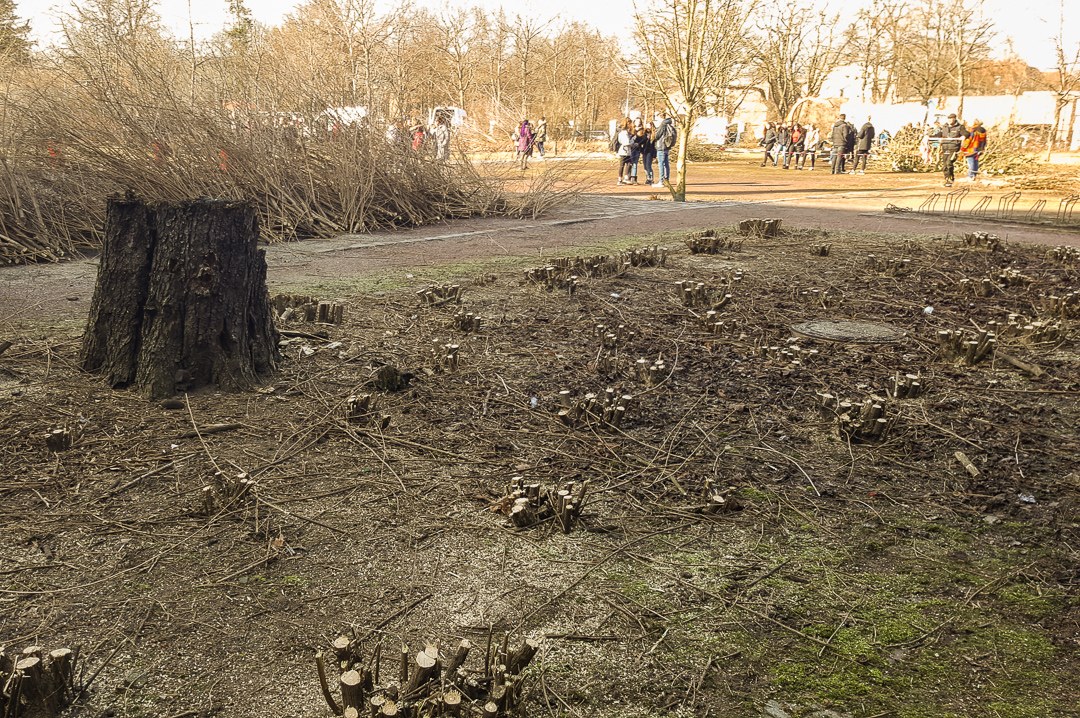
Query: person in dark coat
x: 783, y: 141
x: 768, y: 141
x: 849, y: 148
x: 648, y: 151
x: 951, y: 134
x: 838, y: 139
x: 863, y: 142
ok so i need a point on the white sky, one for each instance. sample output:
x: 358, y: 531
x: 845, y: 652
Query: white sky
x: 1031, y: 28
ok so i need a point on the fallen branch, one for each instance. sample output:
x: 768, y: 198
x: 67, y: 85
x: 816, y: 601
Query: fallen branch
x: 209, y: 429
x: 1029, y: 369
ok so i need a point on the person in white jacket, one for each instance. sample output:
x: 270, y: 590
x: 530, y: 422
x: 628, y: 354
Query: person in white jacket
x: 442, y: 138
x: 813, y: 144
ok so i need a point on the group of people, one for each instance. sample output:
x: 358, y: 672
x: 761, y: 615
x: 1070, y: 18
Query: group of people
x: 637, y: 142
x: 795, y: 143
x: 955, y: 141
x: 419, y: 137
x: 847, y: 142
x: 788, y: 141
x: 528, y: 138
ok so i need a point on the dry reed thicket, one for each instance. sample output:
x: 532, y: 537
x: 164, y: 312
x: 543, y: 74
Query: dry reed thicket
x: 67, y: 146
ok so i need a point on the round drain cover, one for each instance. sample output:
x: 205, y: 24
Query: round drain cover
x: 843, y: 331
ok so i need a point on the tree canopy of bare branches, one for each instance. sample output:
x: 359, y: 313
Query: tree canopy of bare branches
x: 1064, y: 82
x: 794, y: 53
x: 944, y: 41
x: 694, y: 50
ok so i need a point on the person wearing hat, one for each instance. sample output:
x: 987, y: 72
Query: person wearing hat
x: 950, y: 134
x: 973, y: 146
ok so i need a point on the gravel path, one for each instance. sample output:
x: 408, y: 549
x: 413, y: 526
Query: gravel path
x: 61, y: 292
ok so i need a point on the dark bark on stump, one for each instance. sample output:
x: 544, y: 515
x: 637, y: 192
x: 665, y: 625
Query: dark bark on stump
x: 181, y: 298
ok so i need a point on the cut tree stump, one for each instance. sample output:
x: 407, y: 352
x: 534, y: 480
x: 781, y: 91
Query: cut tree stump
x: 181, y: 298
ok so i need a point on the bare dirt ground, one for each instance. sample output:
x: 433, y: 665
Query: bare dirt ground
x: 856, y: 575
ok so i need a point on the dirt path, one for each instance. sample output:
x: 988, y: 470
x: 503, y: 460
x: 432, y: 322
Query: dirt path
x: 720, y: 194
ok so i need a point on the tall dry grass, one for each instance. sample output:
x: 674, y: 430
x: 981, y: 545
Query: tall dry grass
x: 71, y: 139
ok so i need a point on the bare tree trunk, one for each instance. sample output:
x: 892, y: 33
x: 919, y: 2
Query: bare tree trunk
x: 960, y: 80
x: 678, y: 192
x: 1072, y: 126
x: 1059, y: 105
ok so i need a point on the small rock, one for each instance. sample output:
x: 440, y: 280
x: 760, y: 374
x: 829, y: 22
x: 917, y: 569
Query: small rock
x: 135, y: 679
x: 773, y: 710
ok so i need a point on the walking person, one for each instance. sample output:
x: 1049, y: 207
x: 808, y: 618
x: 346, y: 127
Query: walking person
x: 783, y: 139
x: 813, y: 144
x: 863, y: 142
x: 797, y: 145
x: 648, y: 152
x: 540, y: 136
x: 849, y: 147
x: 838, y: 139
x: 950, y: 134
x: 629, y: 151
x: 972, y: 147
x: 664, y: 139
x: 441, y: 133
x: 768, y: 141
x: 525, y: 143
x: 638, y: 132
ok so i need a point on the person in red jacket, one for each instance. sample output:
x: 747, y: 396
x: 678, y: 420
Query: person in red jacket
x: 972, y: 147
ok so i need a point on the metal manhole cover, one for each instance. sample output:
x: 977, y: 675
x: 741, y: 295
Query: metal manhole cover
x: 844, y: 331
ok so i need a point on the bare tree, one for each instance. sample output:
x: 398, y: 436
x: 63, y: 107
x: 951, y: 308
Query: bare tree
x: 926, y: 65
x: 968, y: 34
x: 874, y: 43
x: 527, y: 33
x: 947, y: 39
x: 458, y: 34
x: 1064, y: 81
x: 794, y: 54
x: 15, y: 41
x: 694, y: 49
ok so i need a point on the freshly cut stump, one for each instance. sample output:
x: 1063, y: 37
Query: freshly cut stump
x: 181, y: 298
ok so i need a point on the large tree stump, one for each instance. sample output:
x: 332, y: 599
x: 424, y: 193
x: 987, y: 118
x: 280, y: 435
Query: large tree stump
x: 181, y: 298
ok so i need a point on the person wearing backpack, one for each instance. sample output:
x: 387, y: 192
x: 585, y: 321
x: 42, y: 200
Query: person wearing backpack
x: 664, y: 139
